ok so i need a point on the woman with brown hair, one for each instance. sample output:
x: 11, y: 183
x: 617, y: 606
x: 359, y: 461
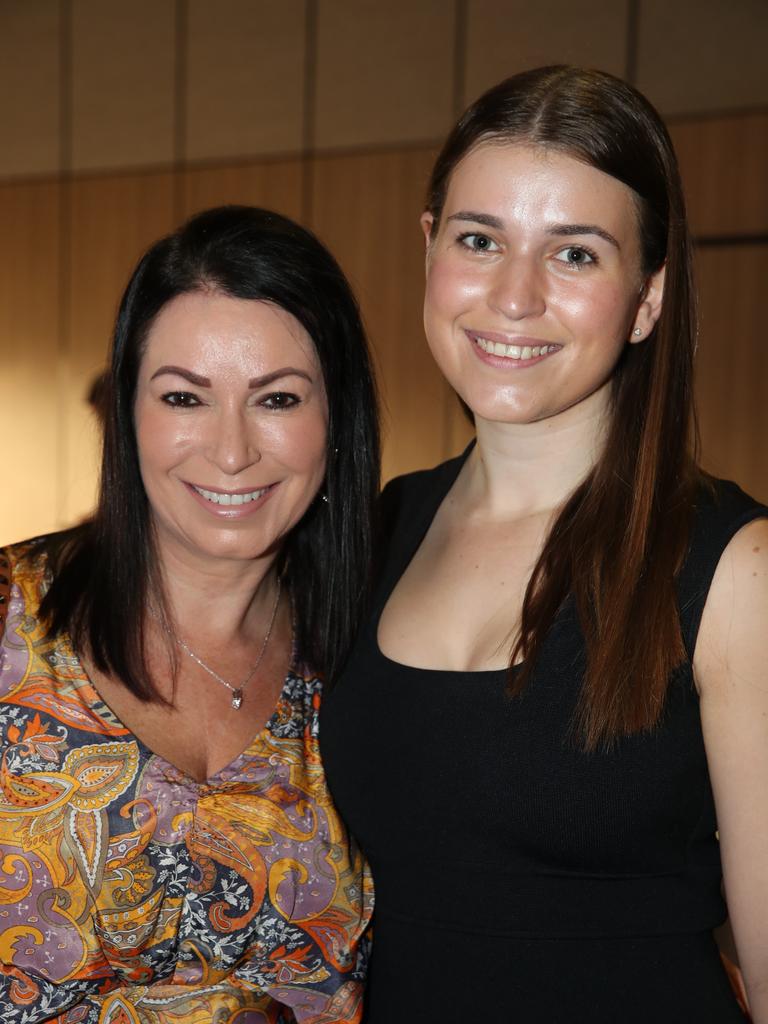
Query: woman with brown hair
x: 560, y: 696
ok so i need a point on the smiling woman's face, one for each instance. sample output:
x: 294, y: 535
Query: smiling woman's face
x: 534, y: 283
x: 231, y: 424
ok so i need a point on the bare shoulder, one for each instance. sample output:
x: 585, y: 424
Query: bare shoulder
x: 731, y: 668
x: 732, y: 646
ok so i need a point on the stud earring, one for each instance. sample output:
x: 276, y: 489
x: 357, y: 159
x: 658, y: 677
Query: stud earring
x: 637, y: 332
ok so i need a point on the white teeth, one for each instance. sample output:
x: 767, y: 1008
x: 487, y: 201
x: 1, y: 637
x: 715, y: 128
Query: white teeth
x: 219, y: 498
x: 498, y: 348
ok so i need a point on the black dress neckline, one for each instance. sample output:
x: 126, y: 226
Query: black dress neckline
x: 449, y: 472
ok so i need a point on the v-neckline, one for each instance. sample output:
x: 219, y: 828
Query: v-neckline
x: 227, y: 770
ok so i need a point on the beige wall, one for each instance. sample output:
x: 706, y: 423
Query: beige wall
x: 117, y: 120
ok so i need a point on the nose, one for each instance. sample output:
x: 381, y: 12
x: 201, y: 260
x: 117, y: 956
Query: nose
x: 518, y: 289
x: 234, y: 445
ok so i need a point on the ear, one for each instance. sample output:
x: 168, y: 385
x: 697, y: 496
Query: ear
x: 648, y: 311
x: 427, y: 222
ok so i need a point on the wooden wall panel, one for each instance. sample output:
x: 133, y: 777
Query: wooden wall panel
x: 732, y: 365
x: 507, y: 36
x: 274, y: 184
x: 384, y: 71
x: 245, y: 78
x: 123, y: 80
x: 366, y: 208
x: 31, y: 407
x: 29, y: 87
x: 724, y: 164
x: 703, y: 55
x: 112, y: 221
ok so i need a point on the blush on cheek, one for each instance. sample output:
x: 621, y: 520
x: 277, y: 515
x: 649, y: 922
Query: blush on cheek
x: 605, y: 314
x: 162, y: 429
x: 303, y: 449
x: 449, y: 287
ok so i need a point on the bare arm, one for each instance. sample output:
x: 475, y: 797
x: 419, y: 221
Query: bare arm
x: 731, y: 669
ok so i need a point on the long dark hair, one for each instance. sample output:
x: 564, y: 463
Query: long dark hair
x: 104, y: 572
x: 621, y: 536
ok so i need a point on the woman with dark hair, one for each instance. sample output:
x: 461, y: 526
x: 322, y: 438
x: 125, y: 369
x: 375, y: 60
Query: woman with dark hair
x: 166, y: 856
x: 561, y: 693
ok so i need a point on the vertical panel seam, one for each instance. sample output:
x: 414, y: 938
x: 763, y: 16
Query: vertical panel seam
x: 64, y: 298
x: 309, y: 112
x: 180, y: 86
x: 632, y: 41
x: 460, y: 45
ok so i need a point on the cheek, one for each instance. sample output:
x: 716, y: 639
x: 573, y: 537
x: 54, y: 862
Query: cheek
x: 159, y: 435
x: 299, y: 443
x: 606, y: 312
x: 450, y: 292
x: 449, y: 289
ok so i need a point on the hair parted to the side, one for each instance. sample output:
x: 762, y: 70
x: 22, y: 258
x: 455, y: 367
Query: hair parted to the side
x: 105, y: 571
x: 622, y: 535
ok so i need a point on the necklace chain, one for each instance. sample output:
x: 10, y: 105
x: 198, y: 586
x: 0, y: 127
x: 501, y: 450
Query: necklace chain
x: 237, y: 691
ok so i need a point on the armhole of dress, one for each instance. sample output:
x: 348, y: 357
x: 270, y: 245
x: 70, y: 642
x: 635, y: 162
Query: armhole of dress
x: 701, y: 575
x: 5, y: 590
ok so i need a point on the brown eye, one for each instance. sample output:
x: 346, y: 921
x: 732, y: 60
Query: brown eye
x: 180, y: 399
x: 280, y: 400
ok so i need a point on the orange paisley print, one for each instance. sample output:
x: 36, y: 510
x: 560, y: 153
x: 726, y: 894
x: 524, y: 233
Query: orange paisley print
x: 132, y: 894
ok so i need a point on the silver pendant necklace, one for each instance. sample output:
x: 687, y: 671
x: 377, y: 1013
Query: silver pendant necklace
x: 237, y: 691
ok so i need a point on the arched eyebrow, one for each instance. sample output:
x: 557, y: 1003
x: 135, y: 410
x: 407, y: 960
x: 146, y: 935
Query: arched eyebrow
x: 253, y: 383
x: 561, y: 230
x: 584, y: 229
x: 487, y: 219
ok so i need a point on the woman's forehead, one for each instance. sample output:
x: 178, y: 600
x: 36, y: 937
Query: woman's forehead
x: 219, y: 328
x: 523, y: 183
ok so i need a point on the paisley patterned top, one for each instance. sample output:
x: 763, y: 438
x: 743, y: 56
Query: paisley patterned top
x: 130, y: 892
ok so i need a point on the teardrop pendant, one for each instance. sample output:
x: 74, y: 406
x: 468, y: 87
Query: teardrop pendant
x: 237, y: 698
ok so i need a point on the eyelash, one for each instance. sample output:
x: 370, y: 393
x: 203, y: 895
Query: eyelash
x: 286, y: 400
x: 593, y: 257
x: 276, y: 401
x: 464, y: 240
x: 180, y: 399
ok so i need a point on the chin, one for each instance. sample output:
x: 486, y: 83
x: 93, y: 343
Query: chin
x: 225, y: 546
x: 495, y: 409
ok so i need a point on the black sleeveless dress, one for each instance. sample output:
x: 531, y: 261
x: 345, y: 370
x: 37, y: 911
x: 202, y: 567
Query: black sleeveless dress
x: 518, y: 878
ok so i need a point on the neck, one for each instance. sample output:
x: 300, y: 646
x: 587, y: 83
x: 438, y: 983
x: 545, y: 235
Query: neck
x: 526, y: 468
x: 218, y: 596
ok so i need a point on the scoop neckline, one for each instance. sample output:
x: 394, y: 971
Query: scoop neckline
x: 401, y: 666
x: 414, y: 543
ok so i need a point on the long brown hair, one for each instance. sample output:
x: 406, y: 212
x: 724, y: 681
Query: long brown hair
x: 618, y: 542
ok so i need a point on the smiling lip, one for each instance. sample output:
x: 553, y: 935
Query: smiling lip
x: 516, y: 352
x: 231, y: 504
